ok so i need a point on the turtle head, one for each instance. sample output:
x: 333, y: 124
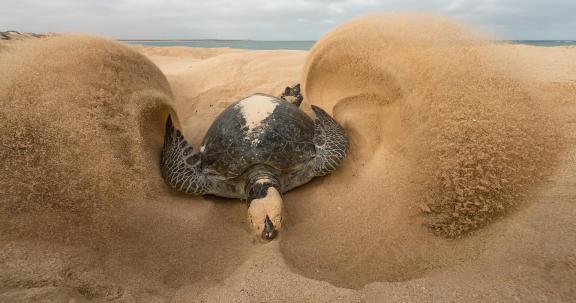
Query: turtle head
x: 265, y: 213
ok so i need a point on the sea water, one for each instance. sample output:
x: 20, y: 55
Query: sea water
x: 242, y: 44
x: 293, y: 45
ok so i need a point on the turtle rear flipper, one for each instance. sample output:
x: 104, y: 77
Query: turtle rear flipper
x: 180, y: 165
x: 330, y: 141
x: 293, y: 95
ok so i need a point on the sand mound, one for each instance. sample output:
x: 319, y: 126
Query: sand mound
x: 442, y: 128
x: 81, y: 131
x: 480, y: 136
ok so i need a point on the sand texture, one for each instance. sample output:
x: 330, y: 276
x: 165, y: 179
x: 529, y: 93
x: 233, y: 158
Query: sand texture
x: 459, y: 187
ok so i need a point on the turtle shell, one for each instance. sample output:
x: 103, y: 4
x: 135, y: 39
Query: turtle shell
x: 258, y: 130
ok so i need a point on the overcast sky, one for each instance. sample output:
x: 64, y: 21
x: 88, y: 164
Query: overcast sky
x: 274, y: 19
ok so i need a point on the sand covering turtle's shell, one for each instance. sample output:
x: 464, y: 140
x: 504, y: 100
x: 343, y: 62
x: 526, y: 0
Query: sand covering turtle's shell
x: 255, y: 109
x: 434, y: 115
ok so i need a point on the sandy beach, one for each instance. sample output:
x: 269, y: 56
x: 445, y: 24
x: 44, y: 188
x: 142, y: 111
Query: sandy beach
x: 460, y: 184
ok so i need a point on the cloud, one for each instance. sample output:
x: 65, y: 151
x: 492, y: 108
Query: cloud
x: 274, y: 20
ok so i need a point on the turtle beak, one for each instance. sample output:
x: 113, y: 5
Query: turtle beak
x: 269, y: 232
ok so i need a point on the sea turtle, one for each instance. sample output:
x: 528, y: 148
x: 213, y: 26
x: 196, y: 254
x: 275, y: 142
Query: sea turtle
x: 257, y: 149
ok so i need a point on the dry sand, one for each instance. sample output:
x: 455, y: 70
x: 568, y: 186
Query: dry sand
x: 460, y: 185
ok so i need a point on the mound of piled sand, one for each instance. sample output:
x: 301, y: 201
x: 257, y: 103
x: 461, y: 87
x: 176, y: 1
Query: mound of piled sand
x: 82, y: 128
x: 424, y: 101
x: 478, y: 135
x: 445, y: 133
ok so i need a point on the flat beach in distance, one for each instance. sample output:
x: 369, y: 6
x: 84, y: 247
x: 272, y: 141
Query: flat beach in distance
x: 459, y: 187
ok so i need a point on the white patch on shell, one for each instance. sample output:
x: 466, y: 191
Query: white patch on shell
x: 202, y: 148
x: 255, y: 109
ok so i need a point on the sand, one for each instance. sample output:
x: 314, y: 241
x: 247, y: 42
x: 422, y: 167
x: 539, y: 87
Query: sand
x: 459, y: 185
x: 255, y: 112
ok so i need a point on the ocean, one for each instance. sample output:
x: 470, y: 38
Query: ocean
x: 242, y: 44
x: 293, y: 45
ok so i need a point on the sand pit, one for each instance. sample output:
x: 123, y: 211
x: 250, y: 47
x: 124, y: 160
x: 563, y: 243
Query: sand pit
x: 436, y: 116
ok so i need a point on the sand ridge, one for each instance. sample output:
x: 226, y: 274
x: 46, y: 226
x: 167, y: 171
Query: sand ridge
x: 479, y: 143
x: 110, y: 230
x: 82, y: 122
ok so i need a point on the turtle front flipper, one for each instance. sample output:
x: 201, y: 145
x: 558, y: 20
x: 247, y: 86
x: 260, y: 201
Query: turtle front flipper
x: 180, y: 165
x: 331, y: 143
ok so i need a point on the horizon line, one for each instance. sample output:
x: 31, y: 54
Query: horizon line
x: 255, y: 40
x: 247, y: 40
